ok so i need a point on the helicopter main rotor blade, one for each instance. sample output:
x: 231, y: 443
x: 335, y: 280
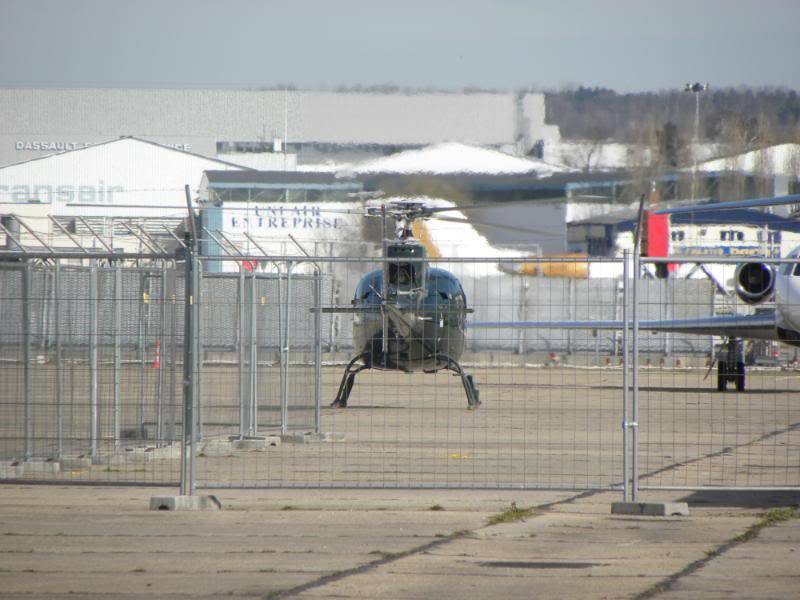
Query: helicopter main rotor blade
x: 540, y: 232
x: 486, y: 205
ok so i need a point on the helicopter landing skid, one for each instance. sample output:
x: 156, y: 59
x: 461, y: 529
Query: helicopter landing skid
x: 473, y: 394
x: 348, y: 379
x: 351, y: 370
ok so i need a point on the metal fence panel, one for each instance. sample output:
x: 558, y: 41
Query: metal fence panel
x: 91, y: 372
x: 690, y: 434
x: 542, y: 423
x: 86, y: 394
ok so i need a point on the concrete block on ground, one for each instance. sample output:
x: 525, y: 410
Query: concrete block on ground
x: 650, y: 509
x: 258, y: 443
x: 143, y: 432
x: 11, y: 470
x: 185, y: 503
x: 294, y: 438
x: 138, y: 454
x: 216, y: 448
x: 113, y: 458
x: 309, y: 437
x: 42, y: 467
x: 80, y: 461
x: 171, y: 451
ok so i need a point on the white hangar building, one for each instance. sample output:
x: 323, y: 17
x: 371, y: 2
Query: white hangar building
x: 315, y: 126
x: 99, y: 189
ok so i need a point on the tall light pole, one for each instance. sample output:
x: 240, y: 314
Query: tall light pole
x: 696, y: 89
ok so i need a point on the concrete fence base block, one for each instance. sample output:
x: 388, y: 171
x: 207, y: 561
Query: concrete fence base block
x: 216, y: 448
x: 42, y: 467
x: 308, y: 438
x: 255, y: 443
x: 11, y: 470
x: 294, y: 438
x: 75, y: 462
x: 109, y: 459
x: 185, y: 503
x: 650, y: 509
x: 172, y: 451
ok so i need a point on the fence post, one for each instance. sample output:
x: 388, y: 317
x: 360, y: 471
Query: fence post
x: 117, y: 351
x: 713, y: 312
x: 253, y: 358
x: 26, y: 359
x: 172, y: 352
x: 317, y: 349
x: 670, y: 313
x: 625, y: 466
x: 189, y: 364
x: 140, y: 339
x: 285, y: 353
x: 240, y: 354
x: 197, y: 281
x: 162, y: 315
x: 571, y: 300
x: 635, y: 423
x: 59, y: 367
x: 522, y: 315
x: 93, y: 358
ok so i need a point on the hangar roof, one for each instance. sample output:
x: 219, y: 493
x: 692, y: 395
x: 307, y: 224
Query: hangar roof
x: 217, y: 179
x: 451, y: 158
x: 120, y: 140
x: 781, y: 159
x: 125, y: 177
x: 311, y: 116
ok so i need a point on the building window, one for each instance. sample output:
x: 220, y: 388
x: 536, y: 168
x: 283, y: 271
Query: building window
x: 241, y: 147
x: 730, y: 236
x: 677, y: 236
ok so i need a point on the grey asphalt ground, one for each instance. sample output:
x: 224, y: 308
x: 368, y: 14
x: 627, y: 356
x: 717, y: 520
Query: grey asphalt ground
x: 99, y: 542
x: 538, y: 428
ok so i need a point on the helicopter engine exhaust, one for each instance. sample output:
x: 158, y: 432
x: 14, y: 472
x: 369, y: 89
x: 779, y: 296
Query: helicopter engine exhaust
x: 754, y: 282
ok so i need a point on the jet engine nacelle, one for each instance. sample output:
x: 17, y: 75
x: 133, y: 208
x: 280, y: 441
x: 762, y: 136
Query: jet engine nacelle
x: 754, y: 282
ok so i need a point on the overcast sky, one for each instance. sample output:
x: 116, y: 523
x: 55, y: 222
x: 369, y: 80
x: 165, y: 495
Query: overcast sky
x: 502, y: 44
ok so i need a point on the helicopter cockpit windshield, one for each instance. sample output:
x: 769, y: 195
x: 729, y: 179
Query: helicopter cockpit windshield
x: 403, y: 275
x: 406, y: 276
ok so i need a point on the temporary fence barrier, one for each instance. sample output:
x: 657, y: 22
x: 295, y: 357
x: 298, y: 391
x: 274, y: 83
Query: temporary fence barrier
x: 99, y: 359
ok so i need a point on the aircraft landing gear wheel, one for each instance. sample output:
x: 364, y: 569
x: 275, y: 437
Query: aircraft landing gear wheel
x: 739, y: 377
x: 722, y: 375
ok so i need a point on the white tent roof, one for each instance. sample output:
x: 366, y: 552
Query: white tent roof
x: 783, y: 159
x: 452, y: 158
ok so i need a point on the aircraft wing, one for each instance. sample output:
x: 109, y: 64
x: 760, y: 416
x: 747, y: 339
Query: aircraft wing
x: 758, y: 326
x: 712, y: 206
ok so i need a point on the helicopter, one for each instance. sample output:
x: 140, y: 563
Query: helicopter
x: 408, y: 316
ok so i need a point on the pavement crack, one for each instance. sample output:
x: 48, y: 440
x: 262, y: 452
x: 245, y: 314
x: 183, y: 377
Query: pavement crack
x: 387, y: 558
x: 723, y: 451
x: 772, y: 517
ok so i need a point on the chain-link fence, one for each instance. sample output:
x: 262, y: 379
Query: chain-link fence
x: 731, y: 420
x: 94, y: 376
x: 92, y: 360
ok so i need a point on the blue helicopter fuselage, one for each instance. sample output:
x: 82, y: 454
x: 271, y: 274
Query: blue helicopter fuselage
x: 424, y: 325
